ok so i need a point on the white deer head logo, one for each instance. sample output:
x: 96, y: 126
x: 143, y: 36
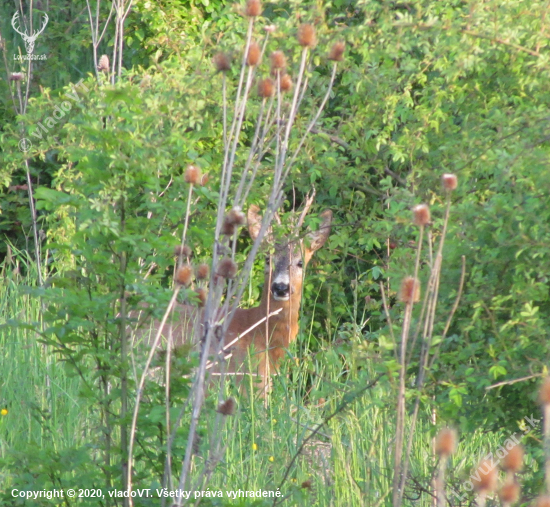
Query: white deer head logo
x: 29, y: 39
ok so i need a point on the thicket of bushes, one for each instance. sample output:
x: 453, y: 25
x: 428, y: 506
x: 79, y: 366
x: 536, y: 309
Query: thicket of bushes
x: 425, y: 88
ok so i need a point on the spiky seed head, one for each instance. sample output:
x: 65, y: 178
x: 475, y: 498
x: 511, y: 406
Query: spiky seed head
x: 421, y: 215
x: 16, y: 76
x: 336, y: 53
x: 266, y: 88
x: 182, y: 250
x: 227, y: 407
x: 203, y: 270
x: 270, y: 28
x: 485, y: 478
x: 103, y: 65
x: 222, y: 62
x: 306, y: 484
x: 227, y: 228
x: 193, y: 175
x: 254, y: 54
x: 286, y: 83
x: 306, y: 35
x: 509, y: 492
x: 184, y: 275
x: 253, y: 8
x: 445, y: 443
x: 227, y: 268
x: 542, y: 501
x: 232, y: 220
x: 544, y: 392
x: 410, y: 290
x: 201, y: 294
x: 513, y: 461
x: 278, y: 60
x: 204, y: 179
x: 236, y: 216
x: 449, y: 181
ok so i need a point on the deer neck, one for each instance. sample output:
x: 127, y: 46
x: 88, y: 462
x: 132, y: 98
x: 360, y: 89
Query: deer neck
x: 283, y: 327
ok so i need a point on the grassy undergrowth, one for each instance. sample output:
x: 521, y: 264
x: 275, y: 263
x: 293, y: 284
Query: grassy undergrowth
x: 48, y: 437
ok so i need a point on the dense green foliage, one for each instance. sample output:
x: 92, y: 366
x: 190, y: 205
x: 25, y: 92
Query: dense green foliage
x: 425, y: 88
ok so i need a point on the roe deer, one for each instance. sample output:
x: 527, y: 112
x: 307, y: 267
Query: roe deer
x: 274, y: 321
x: 282, y: 293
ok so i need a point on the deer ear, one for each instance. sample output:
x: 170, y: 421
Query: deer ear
x: 254, y: 221
x: 317, y: 238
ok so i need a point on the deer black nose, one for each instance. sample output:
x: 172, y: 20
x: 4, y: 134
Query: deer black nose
x: 280, y: 290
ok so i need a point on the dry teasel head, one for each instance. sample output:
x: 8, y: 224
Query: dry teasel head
x: 227, y: 228
x: 410, y: 290
x: 201, y: 294
x: 509, y: 492
x: 235, y: 218
x: 193, y: 175
x: 16, y: 76
x: 103, y: 65
x: 266, y: 88
x: 184, y: 275
x: 449, y: 181
x: 254, y: 54
x: 445, y: 442
x: 286, y: 83
x: 485, y: 478
x: 182, y: 250
x: 513, y: 461
x: 421, y: 215
x: 253, y: 8
x: 203, y: 270
x: 336, y: 53
x: 227, y: 268
x: 306, y: 35
x: 227, y: 407
x: 278, y: 61
x: 222, y: 62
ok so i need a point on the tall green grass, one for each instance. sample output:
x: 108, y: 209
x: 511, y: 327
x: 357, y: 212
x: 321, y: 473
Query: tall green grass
x: 42, y: 402
x: 349, y: 462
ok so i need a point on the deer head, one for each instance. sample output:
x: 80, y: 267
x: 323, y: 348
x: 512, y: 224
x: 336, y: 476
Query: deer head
x: 285, y: 269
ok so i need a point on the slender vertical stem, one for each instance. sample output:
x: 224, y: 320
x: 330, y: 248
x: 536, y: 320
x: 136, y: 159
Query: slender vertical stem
x: 403, y: 467
x: 546, y: 429
x: 139, y: 393
x: 481, y: 499
x: 186, y: 221
x: 440, y: 483
x: 400, y: 422
x: 123, y: 376
x: 34, y: 219
x: 224, y: 108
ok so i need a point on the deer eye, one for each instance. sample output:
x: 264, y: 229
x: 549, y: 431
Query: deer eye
x: 300, y: 264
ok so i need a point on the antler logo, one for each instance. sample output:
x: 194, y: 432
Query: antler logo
x: 28, y: 39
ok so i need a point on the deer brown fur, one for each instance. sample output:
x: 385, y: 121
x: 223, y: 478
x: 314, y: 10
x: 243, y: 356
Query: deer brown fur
x: 260, y: 350
x: 282, y: 293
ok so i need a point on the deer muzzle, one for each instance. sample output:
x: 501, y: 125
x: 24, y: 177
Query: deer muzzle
x: 280, y: 291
